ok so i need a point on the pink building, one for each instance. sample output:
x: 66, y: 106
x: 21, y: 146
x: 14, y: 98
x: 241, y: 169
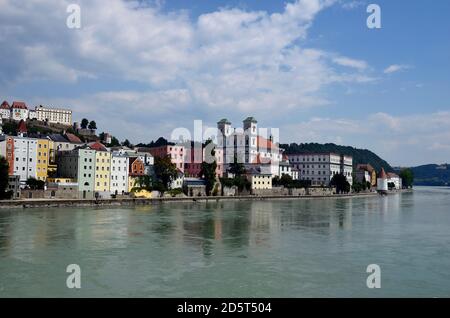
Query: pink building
x: 194, y: 158
x: 176, y: 154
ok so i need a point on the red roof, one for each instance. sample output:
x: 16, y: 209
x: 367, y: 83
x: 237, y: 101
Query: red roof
x: 5, y: 105
x: 366, y: 167
x: 383, y: 174
x: 392, y: 175
x: 22, y: 127
x: 265, y: 143
x: 73, y: 138
x: 20, y: 105
x: 97, y: 146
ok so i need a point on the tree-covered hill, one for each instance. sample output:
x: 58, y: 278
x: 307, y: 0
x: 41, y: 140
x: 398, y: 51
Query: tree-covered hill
x: 360, y: 156
x: 432, y: 175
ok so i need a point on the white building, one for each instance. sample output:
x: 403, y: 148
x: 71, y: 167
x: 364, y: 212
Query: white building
x: 286, y: 168
x: 395, y: 179
x: 119, y: 172
x: 25, y: 158
x: 319, y: 168
x: 5, y: 110
x: 247, y: 145
x: 54, y: 115
x: 19, y: 111
x: 32, y: 114
x: 382, y: 182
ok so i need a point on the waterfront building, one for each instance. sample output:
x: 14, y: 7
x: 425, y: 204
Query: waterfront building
x: 319, y: 168
x: 366, y: 172
x: 119, y: 172
x: 247, y: 146
x: 195, y: 156
x: 382, y: 182
x: 43, y: 158
x: 177, y: 183
x: 285, y: 168
x: 9, y: 151
x: 54, y: 115
x: 175, y: 153
x: 25, y: 158
x: 260, y: 178
x: 14, y: 186
x: 1, y: 126
x: 102, y: 169
x: 19, y: 111
x: 79, y: 164
x: 395, y: 179
x: 5, y: 110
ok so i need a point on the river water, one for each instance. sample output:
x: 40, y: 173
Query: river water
x: 284, y: 248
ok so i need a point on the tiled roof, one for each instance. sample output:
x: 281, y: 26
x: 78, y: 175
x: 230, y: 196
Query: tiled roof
x: 22, y: 127
x: 383, y: 174
x: 73, y: 138
x: 5, y: 105
x: 19, y: 105
x: 392, y: 175
x: 58, y: 138
x: 366, y: 167
x: 266, y: 143
x: 97, y: 146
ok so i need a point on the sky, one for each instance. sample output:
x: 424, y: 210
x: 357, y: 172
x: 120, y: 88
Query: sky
x: 311, y: 68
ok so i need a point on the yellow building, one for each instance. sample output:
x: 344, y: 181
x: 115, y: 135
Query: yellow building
x: 43, y: 158
x: 102, y: 171
x: 132, y: 182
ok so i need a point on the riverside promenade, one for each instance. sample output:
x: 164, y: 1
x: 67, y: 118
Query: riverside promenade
x: 61, y: 203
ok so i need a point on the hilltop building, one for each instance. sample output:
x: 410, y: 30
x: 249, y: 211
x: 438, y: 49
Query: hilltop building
x: 53, y: 115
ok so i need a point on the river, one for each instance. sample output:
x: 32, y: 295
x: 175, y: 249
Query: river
x: 280, y: 248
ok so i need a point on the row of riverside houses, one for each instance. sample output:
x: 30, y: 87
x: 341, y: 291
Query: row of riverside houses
x: 73, y: 169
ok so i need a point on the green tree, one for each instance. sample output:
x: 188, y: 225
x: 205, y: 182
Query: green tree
x: 236, y: 168
x: 407, y: 178
x: 208, y: 171
x: 84, y: 123
x: 340, y: 182
x: 165, y: 171
x: 35, y: 184
x: 92, y: 125
x: 127, y: 143
x: 4, y: 168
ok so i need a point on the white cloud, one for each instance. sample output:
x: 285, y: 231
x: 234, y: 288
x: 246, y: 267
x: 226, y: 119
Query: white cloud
x: 241, y: 60
x: 345, y: 61
x: 395, y: 68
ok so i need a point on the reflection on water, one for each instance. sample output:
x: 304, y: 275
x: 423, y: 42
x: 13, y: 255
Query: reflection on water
x: 250, y: 248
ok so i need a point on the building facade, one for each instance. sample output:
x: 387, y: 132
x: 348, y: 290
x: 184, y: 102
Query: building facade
x: 175, y: 153
x: 247, y: 146
x: 43, y: 158
x: 79, y: 164
x: 25, y: 158
x: 19, y: 111
x: 119, y: 172
x: 54, y: 115
x: 319, y: 168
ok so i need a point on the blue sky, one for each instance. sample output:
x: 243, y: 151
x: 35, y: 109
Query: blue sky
x: 309, y: 67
